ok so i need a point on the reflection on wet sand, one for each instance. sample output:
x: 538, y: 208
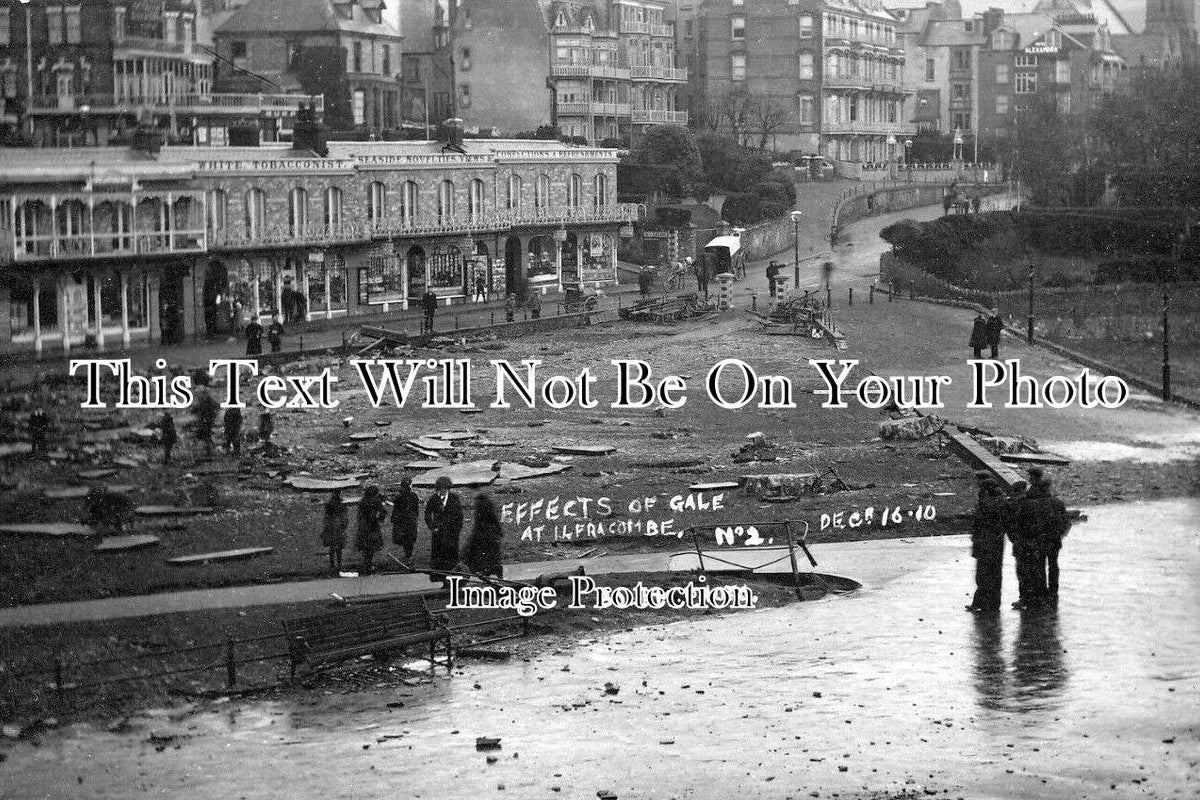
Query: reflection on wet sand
x: 1038, y: 677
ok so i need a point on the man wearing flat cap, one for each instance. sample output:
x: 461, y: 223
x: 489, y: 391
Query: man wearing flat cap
x: 444, y: 518
x: 987, y: 544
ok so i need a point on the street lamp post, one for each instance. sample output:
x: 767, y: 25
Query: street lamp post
x: 1029, y: 326
x: 908, y: 143
x: 891, y: 154
x: 796, y: 249
x: 28, y: 67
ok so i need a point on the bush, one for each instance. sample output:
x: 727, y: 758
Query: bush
x: 742, y: 208
x: 784, y: 181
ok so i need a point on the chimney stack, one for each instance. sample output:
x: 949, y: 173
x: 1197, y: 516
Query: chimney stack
x: 309, y: 133
x: 452, y: 134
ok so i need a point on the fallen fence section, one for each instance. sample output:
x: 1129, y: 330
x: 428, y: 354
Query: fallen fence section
x: 978, y: 457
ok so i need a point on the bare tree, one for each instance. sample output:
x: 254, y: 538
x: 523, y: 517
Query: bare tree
x: 737, y: 114
x: 767, y: 116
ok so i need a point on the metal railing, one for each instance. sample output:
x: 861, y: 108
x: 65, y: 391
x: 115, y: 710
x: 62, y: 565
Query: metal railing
x: 870, y: 128
x: 589, y: 70
x: 660, y: 116
x: 594, y: 108
x: 102, y: 244
x: 659, y: 73
x: 651, y: 28
x: 180, y: 104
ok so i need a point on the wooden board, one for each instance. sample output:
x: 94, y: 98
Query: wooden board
x: 470, y: 473
x: 66, y: 492
x: 173, y: 511
x: 8, y: 449
x: 976, y: 456
x: 419, y: 466
x: 220, y: 555
x: 584, y: 449
x: 491, y: 443
x: 711, y: 487
x: 427, y: 443
x: 421, y: 451
x: 1035, y: 458
x: 93, y: 474
x: 451, y: 436
x: 121, y: 544
x: 304, y: 483
x: 516, y: 472
x: 50, y: 530
x: 363, y: 436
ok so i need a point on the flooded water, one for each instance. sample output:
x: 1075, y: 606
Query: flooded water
x: 891, y: 688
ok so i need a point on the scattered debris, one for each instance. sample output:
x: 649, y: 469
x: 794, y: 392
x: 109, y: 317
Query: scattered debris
x: 66, y: 492
x: 306, y: 484
x: 584, y: 449
x: 173, y: 511
x: 910, y: 428
x: 48, y: 529
x: 487, y: 743
x: 784, y: 485
x: 714, y: 486
x: 121, y: 544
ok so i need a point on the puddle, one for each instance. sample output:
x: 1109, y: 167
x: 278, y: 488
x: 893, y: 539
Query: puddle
x: 1139, y: 452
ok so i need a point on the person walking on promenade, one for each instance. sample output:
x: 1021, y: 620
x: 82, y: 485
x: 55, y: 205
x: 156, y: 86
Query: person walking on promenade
x: 1023, y: 534
x: 480, y: 290
x: 535, y: 305
x: 369, y: 539
x: 333, y: 529
x: 979, y: 335
x: 254, y: 337
x: 483, y: 549
x: 994, y: 326
x: 275, y: 335
x: 444, y: 518
x: 206, y: 418
x: 406, y: 511
x: 645, y: 279
x: 510, y: 307
x: 233, y: 430
x: 429, y: 307
x: 166, y: 427
x: 266, y: 427
x: 987, y: 545
x: 772, y: 271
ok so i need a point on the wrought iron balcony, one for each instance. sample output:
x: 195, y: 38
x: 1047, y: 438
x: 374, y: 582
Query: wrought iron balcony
x: 648, y: 73
x: 189, y: 104
x: 653, y: 115
x: 589, y: 71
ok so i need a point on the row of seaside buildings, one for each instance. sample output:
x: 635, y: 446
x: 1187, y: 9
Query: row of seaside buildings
x: 183, y: 184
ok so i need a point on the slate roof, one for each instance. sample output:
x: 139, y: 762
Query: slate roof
x: 294, y: 16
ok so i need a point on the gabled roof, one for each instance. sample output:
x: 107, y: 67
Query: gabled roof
x: 953, y: 33
x: 293, y: 16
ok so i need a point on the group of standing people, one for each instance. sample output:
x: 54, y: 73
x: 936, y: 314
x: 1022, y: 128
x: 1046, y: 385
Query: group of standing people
x: 254, y: 336
x: 985, y: 332
x: 206, y: 411
x: 443, y: 518
x: 1035, y: 522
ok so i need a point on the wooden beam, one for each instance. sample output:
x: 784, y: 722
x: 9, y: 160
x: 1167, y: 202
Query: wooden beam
x: 978, y: 457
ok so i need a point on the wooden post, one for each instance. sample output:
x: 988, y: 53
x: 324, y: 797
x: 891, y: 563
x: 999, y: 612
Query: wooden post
x: 58, y: 681
x: 787, y: 531
x: 851, y: 301
x: 230, y: 664
x: 699, y: 552
x: 871, y: 295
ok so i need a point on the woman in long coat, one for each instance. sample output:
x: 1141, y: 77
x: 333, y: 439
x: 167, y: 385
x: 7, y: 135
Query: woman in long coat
x: 483, y: 551
x: 369, y: 539
x: 333, y: 530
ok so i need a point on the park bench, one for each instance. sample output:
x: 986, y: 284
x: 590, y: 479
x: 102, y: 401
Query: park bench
x: 365, y: 628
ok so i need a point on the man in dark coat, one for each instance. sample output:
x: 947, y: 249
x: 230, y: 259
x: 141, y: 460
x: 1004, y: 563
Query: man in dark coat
x: 368, y: 539
x: 275, y: 335
x: 266, y: 427
x: 483, y: 549
x: 994, y: 327
x: 704, y: 273
x: 1052, y: 525
x: 1023, y: 533
x: 979, y: 335
x: 987, y: 545
x: 107, y: 511
x: 535, y: 305
x: 772, y: 271
x: 444, y: 518
x: 166, y: 426
x: 645, y: 278
x: 39, y: 423
x: 254, y: 335
x: 406, y: 511
x: 429, y: 306
x: 206, y: 418
x: 233, y: 430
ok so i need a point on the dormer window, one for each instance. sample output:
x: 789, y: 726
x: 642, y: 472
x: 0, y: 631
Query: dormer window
x: 344, y: 10
x: 588, y: 25
x: 560, y: 21
x: 1054, y: 39
x: 969, y: 26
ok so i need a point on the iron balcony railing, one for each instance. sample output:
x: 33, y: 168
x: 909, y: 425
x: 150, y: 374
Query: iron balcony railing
x: 101, y: 244
x: 594, y: 109
x: 658, y: 116
x: 231, y: 104
x: 589, y: 71
x: 659, y: 73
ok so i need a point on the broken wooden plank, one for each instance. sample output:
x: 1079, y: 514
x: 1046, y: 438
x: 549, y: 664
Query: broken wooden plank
x: 421, y: 466
x: 8, y: 449
x: 421, y: 451
x: 451, y: 436
x: 518, y: 472
x: 220, y: 555
x: 1047, y: 459
x: 364, y: 436
x: 52, y: 530
x: 173, y: 511
x: 469, y: 473
x: 305, y: 483
x: 427, y: 443
x: 976, y: 456
x: 492, y: 443
x: 122, y: 544
x: 714, y: 486
x: 65, y: 492
x: 93, y: 474
x: 584, y: 449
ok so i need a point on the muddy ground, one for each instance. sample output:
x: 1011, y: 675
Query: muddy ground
x: 658, y: 453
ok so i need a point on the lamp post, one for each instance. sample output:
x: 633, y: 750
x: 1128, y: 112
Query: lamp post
x: 891, y: 155
x: 796, y: 249
x: 1029, y: 326
x: 28, y: 67
x: 908, y: 143
x: 958, y: 143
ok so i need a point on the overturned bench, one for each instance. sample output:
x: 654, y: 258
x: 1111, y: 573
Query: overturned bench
x: 369, y: 628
